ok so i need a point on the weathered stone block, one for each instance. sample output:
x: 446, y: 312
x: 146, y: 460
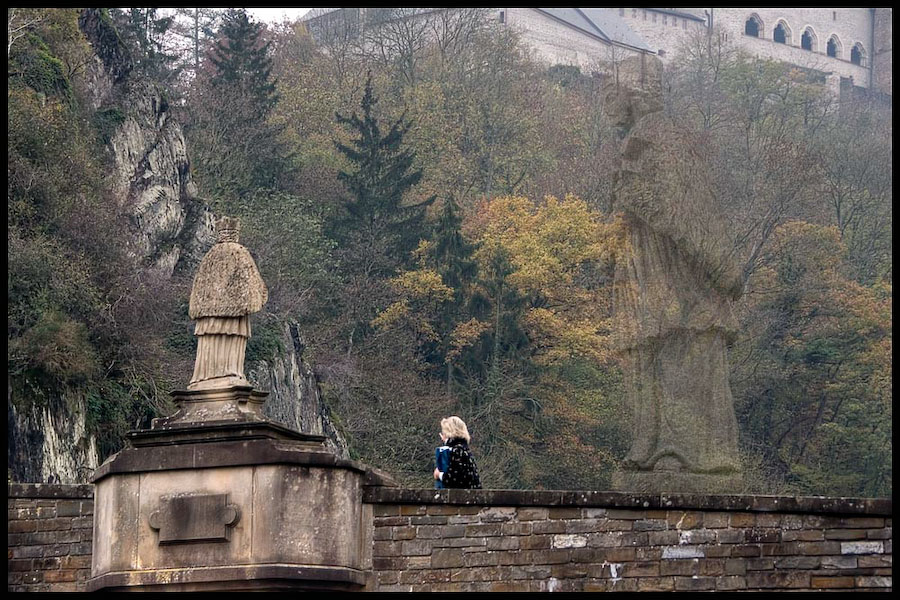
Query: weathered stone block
x: 385, y: 510
x: 532, y: 514
x: 729, y: 536
x: 386, y: 549
x: 803, y: 535
x: 681, y: 552
x: 819, y: 548
x: 798, y: 562
x: 497, y: 514
x: 565, y: 513
x: 447, y: 558
x: 845, y: 534
x: 680, y: 567
x: 641, y: 569
x: 442, y: 510
x: 536, y: 542
x: 743, y: 519
x: 569, y: 541
x: 734, y: 566
x: 715, y: 520
x: 875, y: 562
x: 650, y: 525
x: 717, y: 551
x: 684, y: 520
x: 697, y: 536
x: 648, y: 554
x: 839, y: 562
x: 885, y: 533
x: 428, y: 520
x: 503, y: 543
x: 549, y: 557
x: 874, y: 582
x: 618, y: 555
x: 483, y: 530
x: 714, y: 566
x: 514, y: 558
x: 549, y: 527
x: 762, y: 536
x: 831, y: 583
x: 775, y: 579
x: 516, y: 529
x: 481, y: 559
x: 769, y: 519
x: 694, y: 584
x: 876, y: 547
x: 760, y: 564
x: 656, y: 584
x: 568, y: 571
x: 416, y: 548
x: 731, y: 582
x: 663, y: 538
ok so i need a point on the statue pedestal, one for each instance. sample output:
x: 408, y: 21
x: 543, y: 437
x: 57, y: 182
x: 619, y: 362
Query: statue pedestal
x: 656, y: 482
x: 216, y: 497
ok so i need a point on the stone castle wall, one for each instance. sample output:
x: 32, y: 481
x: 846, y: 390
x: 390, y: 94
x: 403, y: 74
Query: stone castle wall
x: 883, y: 55
x: 661, y: 31
x: 556, y: 43
x: 49, y: 530
x: 851, y: 25
x: 510, y: 540
x: 467, y: 540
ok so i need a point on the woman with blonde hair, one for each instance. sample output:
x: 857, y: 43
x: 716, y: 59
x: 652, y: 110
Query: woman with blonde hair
x: 462, y: 472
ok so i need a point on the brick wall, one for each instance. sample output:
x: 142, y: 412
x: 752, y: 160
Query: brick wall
x: 467, y: 540
x: 480, y: 540
x: 49, y: 531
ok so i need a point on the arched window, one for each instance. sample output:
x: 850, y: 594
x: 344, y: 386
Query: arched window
x: 808, y: 40
x: 858, y: 55
x: 833, y: 47
x: 752, y: 26
x: 782, y: 34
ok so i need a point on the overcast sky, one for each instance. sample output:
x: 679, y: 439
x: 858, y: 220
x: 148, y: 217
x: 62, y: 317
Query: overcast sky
x: 276, y: 15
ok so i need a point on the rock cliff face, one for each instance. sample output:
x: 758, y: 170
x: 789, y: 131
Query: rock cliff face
x: 150, y: 165
x: 49, y: 442
x: 172, y: 229
x: 295, y: 399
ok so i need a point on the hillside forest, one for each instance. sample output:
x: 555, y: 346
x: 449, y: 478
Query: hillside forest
x: 431, y: 206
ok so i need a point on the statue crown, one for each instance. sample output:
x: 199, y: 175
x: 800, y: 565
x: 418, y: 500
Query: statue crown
x: 229, y: 229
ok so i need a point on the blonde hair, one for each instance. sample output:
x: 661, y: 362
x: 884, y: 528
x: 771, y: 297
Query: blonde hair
x: 454, y: 427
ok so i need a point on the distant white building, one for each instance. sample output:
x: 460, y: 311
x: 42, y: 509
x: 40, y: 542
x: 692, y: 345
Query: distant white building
x: 850, y: 47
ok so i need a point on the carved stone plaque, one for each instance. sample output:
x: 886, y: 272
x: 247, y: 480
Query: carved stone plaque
x: 194, y: 518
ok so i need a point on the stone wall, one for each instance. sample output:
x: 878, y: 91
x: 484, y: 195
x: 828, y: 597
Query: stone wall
x: 462, y: 540
x: 661, y: 31
x: 850, y: 25
x: 481, y: 540
x: 883, y: 54
x: 49, y: 532
x: 557, y: 43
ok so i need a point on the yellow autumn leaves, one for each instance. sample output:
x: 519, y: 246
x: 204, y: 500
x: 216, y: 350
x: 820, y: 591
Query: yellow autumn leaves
x: 557, y: 255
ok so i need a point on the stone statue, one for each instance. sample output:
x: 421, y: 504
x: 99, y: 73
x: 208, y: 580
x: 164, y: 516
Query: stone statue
x: 674, y: 292
x: 227, y: 289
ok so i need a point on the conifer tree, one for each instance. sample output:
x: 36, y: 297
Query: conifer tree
x: 237, y: 149
x: 242, y: 62
x: 143, y: 31
x: 377, y: 220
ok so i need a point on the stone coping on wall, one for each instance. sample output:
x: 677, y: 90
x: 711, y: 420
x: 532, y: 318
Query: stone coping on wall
x: 394, y: 495
x: 637, y: 501
x: 80, y: 491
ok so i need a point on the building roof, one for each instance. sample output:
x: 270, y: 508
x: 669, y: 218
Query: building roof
x: 696, y: 14
x: 599, y: 22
